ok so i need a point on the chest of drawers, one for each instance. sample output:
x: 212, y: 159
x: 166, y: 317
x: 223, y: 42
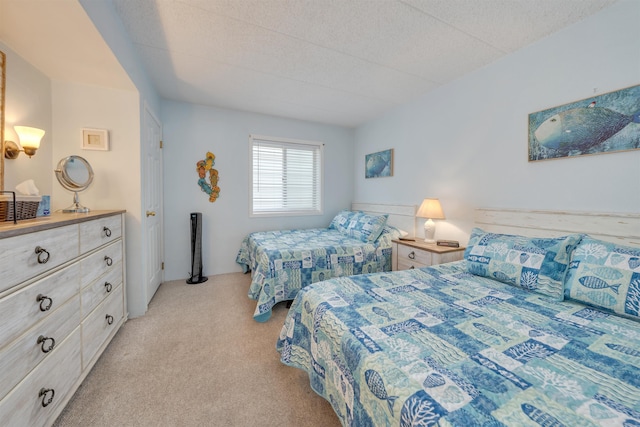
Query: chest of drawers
x: 62, y: 299
x: 408, y: 254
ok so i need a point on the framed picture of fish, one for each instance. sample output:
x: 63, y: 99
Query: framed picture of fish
x: 380, y: 164
x: 602, y: 124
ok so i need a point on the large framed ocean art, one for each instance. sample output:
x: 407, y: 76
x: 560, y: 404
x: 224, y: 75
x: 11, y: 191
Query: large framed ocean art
x: 602, y: 124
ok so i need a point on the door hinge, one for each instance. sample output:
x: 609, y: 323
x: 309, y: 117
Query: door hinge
x: 160, y: 143
x: 162, y: 265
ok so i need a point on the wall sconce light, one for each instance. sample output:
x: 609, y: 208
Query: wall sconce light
x: 29, y: 139
x: 430, y: 209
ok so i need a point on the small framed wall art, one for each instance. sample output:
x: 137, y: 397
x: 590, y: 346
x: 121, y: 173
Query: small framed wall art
x: 95, y: 139
x: 380, y: 164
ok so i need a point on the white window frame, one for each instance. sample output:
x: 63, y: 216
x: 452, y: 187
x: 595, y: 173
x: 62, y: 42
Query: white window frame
x: 285, y: 211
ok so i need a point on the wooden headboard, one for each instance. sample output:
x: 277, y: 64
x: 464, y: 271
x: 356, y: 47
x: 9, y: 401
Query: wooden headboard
x: 400, y: 216
x: 621, y: 228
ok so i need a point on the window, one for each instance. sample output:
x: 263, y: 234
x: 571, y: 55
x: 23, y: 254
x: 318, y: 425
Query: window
x: 286, y: 176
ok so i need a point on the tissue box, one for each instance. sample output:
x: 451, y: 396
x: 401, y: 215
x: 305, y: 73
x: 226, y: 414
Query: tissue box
x: 26, y: 207
x: 44, y: 208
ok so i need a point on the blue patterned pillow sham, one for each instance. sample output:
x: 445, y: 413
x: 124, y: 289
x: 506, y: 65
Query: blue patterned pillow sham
x: 366, y: 227
x: 605, y: 275
x: 536, y: 264
x: 341, y: 221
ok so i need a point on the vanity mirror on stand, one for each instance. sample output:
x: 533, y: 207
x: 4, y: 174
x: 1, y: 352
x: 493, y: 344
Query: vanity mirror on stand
x: 75, y: 174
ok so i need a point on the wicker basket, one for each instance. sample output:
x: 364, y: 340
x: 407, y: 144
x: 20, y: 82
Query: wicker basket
x: 26, y: 207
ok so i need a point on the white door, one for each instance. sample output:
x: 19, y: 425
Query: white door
x: 152, y: 195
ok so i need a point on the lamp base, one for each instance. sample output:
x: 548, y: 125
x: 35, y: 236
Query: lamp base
x: 429, y: 231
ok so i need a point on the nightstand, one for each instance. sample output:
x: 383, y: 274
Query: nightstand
x: 409, y: 254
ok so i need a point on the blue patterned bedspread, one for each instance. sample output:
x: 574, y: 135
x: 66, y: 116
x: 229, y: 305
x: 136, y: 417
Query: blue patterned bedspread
x: 438, y: 346
x: 283, y: 262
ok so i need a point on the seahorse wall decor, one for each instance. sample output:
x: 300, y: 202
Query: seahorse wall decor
x: 211, y: 187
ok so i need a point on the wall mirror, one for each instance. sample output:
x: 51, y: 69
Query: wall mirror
x: 75, y: 174
x: 2, y: 81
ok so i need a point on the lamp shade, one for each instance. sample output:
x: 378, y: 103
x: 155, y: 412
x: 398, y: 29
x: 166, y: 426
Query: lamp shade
x: 29, y: 137
x: 431, y: 209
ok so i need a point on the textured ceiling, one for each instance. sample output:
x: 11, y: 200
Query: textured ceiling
x: 333, y: 61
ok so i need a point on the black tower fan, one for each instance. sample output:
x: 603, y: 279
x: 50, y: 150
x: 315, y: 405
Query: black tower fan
x: 196, y: 250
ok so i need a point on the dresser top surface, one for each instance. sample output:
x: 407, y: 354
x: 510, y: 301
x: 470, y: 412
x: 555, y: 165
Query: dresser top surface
x: 56, y: 219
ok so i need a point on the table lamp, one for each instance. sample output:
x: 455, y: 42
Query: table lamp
x: 430, y: 209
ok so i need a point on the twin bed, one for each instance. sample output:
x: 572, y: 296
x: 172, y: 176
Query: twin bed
x: 525, y: 331
x: 357, y: 241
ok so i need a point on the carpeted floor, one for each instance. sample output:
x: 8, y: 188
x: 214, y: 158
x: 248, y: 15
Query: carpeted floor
x: 197, y: 358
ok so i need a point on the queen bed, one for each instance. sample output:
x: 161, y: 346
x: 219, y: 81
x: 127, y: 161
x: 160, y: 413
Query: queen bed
x: 357, y: 241
x: 525, y: 331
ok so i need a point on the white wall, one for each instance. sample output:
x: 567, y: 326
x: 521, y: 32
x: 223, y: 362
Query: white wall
x: 117, y: 181
x: 27, y: 103
x: 189, y: 132
x: 116, y: 184
x: 466, y: 142
x: 108, y: 23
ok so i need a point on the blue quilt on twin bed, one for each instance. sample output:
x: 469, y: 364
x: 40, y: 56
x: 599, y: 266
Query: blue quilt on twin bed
x: 283, y: 262
x: 440, y: 346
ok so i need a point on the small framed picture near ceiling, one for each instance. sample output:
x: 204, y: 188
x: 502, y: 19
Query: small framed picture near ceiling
x: 95, y: 139
x: 602, y: 124
x: 380, y: 164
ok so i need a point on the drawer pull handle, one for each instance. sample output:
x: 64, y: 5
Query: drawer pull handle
x: 40, y: 251
x: 108, y: 260
x: 108, y: 286
x: 43, y: 393
x: 412, y: 267
x: 109, y: 319
x: 42, y: 340
x: 43, y: 299
x: 412, y: 255
x: 107, y: 232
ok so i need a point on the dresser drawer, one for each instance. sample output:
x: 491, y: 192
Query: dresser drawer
x: 408, y: 265
x: 101, y: 323
x: 47, y: 299
x: 94, y: 293
x: 409, y: 255
x: 101, y: 263
x: 25, y: 405
x: 19, y: 357
x: 28, y: 306
x: 19, y: 260
x: 98, y: 232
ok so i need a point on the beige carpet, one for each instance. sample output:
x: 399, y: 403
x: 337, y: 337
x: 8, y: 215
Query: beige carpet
x: 197, y: 358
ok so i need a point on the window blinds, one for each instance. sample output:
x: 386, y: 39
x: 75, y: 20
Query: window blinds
x: 286, y: 176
